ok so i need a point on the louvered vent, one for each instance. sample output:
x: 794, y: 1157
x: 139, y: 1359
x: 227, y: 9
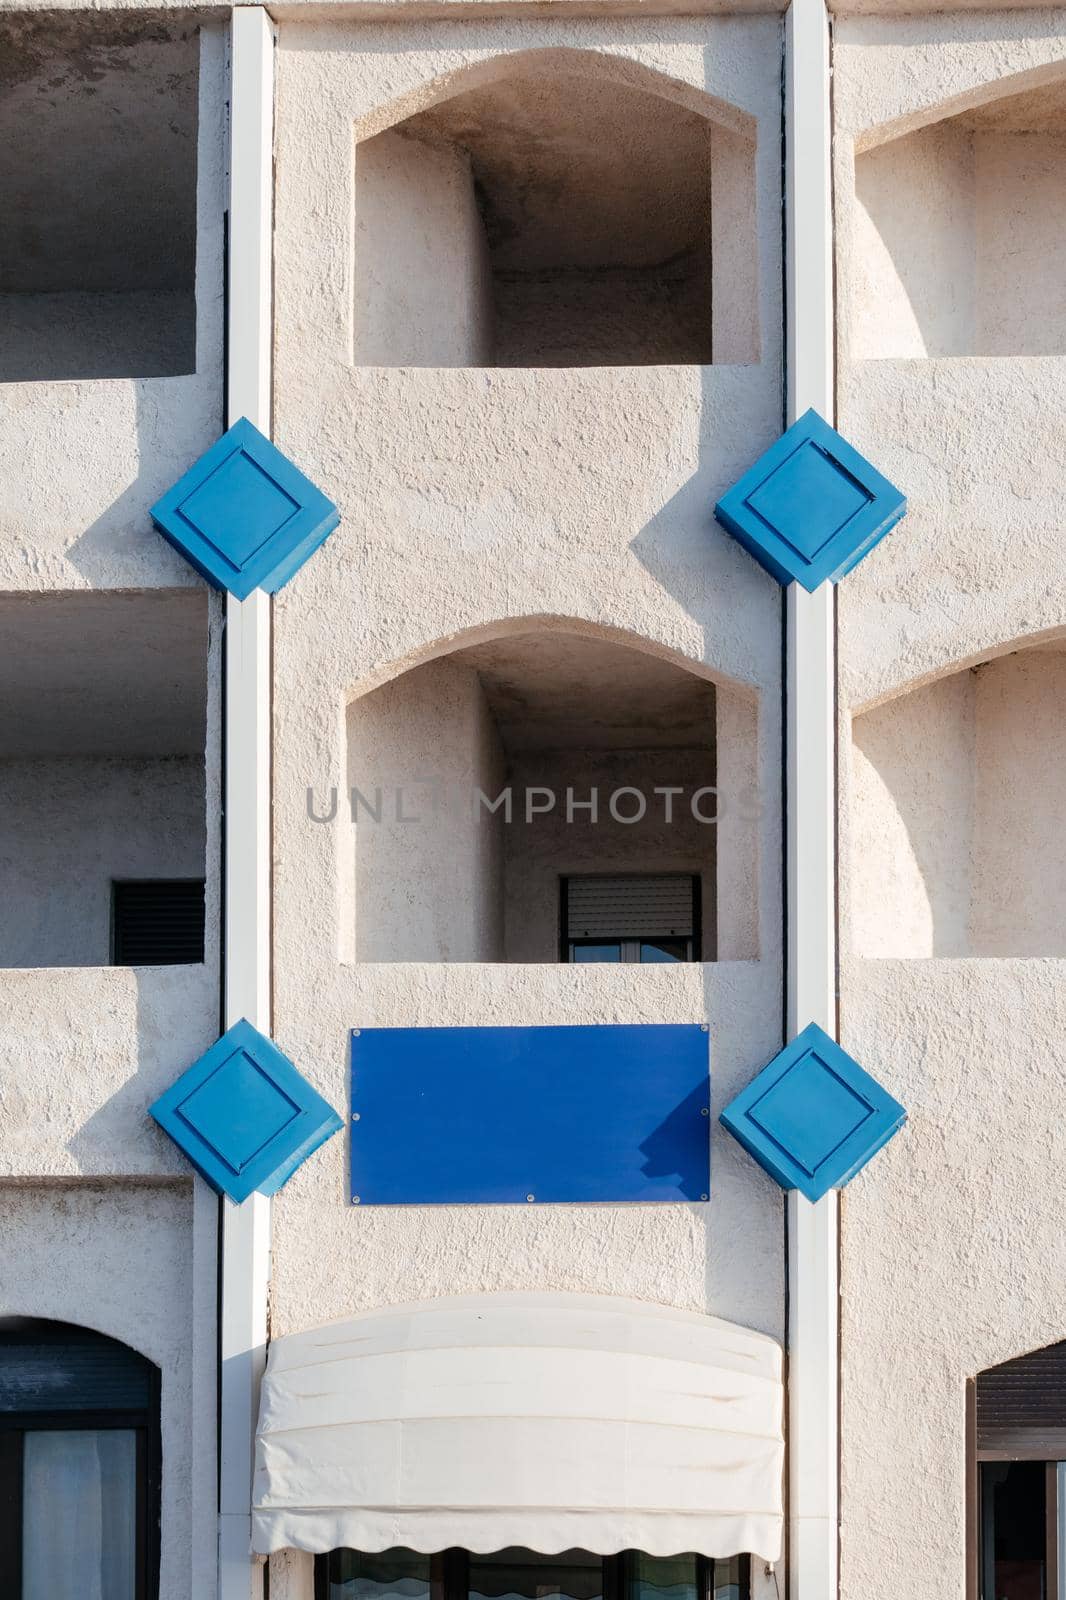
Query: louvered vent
x: 157, y: 922
x: 631, y: 908
x: 55, y: 1368
x: 1022, y: 1404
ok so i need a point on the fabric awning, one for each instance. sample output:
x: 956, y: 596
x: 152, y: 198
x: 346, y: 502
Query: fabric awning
x: 552, y: 1421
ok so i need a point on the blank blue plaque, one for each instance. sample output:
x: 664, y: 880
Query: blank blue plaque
x: 518, y: 1115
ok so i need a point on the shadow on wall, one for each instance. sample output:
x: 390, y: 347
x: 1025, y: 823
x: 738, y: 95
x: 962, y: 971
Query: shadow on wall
x: 961, y: 227
x: 564, y: 209
x: 148, y: 101
x: 103, y: 725
x: 956, y: 834
x: 484, y: 777
x: 98, y: 277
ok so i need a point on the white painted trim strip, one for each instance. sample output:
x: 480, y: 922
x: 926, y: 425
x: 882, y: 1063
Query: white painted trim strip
x: 251, y: 215
x: 246, y: 1229
x: 808, y: 210
x: 811, y: 824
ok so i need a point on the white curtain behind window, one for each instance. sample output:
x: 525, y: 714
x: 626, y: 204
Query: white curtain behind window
x: 79, y: 1516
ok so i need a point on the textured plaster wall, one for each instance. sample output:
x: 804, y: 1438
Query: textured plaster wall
x: 480, y: 503
x: 428, y: 882
x: 595, y: 201
x: 734, y: 248
x: 911, y: 844
x: 913, y: 288
x: 81, y: 461
x: 1019, y: 896
x: 740, y: 835
x: 956, y: 800
x: 436, y: 872
x: 69, y: 827
x: 82, y: 293
x: 1021, y: 230
x: 85, y: 1050
x: 976, y: 443
x: 120, y: 1259
x: 414, y: 204
x: 953, y: 1256
x: 952, y: 1247
x: 532, y: 112
x: 980, y: 276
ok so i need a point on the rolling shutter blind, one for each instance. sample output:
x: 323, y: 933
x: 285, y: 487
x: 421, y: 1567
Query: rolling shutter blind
x: 80, y: 1371
x: 643, y: 907
x: 158, y: 922
x: 1021, y: 1406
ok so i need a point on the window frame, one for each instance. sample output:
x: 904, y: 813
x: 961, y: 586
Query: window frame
x: 694, y: 940
x: 143, y: 1423
x: 450, y: 1575
x: 1036, y: 1446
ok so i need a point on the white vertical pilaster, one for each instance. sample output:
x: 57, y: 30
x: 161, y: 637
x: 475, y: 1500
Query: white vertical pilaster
x: 246, y: 1229
x: 811, y: 806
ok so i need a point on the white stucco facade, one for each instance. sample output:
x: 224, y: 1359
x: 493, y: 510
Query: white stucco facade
x: 526, y: 325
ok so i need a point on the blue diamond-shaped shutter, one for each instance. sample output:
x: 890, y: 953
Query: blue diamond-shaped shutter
x: 813, y: 1118
x: 811, y: 507
x: 244, y: 1116
x: 244, y: 516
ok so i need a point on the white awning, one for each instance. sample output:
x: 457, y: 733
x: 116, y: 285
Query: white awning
x: 554, y: 1421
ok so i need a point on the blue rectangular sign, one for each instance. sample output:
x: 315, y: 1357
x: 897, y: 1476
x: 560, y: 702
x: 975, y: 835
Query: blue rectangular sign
x: 519, y: 1115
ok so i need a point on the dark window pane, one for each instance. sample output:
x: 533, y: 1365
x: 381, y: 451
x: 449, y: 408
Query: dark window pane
x: 398, y: 1574
x: 731, y: 1579
x: 518, y: 1574
x: 662, y: 1577
x: 664, y: 950
x: 596, y: 952
x: 1013, y: 1530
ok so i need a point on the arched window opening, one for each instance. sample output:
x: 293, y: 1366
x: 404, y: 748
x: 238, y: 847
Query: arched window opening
x: 1017, y: 1479
x: 961, y: 231
x: 554, y: 217
x: 956, y: 839
x: 546, y: 796
x: 79, y: 1465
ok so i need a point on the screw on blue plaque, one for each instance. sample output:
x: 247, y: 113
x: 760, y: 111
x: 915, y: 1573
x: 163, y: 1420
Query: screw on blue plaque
x: 244, y: 516
x: 244, y: 1116
x: 811, y: 507
x: 813, y: 1118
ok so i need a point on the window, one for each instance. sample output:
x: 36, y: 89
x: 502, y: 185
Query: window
x: 517, y: 1574
x: 1017, y: 1473
x: 79, y: 1466
x: 157, y: 922
x: 647, y: 919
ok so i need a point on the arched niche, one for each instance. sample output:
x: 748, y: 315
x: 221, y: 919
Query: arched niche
x: 960, y: 229
x: 556, y: 208
x: 955, y: 813
x: 443, y: 869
